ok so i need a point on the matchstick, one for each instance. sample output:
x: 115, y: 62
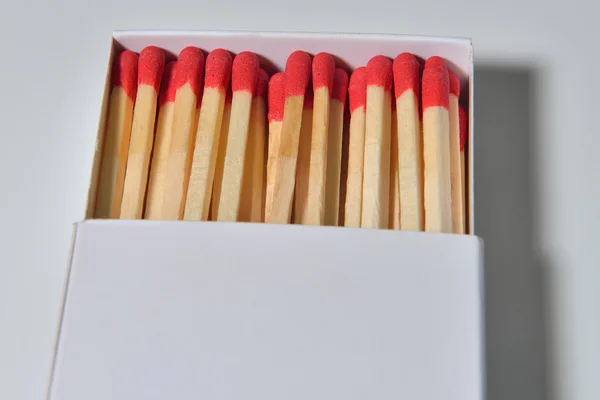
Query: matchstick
x: 218, y: 73
x: 276, y: 101
x: 357, y: 97
x: 151, y: 64
x: 334, y: 147
x: 312, y: 155
x: 458, y: 216
x: 300, y: 202
x: 407, y: 85
x: 244, y: 76
x: 376, y: 181
x: 162, y: 144
x: 220, y: 163
x: 436, y: 146
x: 394, y: 215
x: 464, y: 128
x: 253, y: 185
x: 117, y: 135
x: 344, y: 172
x: 297, y: 75
x: 188, y: 80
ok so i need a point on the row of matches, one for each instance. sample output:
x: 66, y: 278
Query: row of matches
x: 190, y: 140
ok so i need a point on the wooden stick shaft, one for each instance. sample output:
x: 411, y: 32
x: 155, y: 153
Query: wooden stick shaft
x: 314, y: 212
x: 114, y: 157
x: 284, y: 164
x: 220, y: 164
x: 204, y: 159
x: 376, y: 180
x: 410, y: 162
x: 160, y: 157
x: 303, y: 168
x: 180, y: 154
x: 253, y: 186
x: 436, y: 158
x: 274, y: 137
x: 233, y: 173
x: 458, y: 217
x: 334, y: 163
x: 394, y: 176
x: 354, y: 185
x: 344, y: 173
x: 140, y: 149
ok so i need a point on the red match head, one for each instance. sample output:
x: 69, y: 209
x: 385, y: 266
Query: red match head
x: 297, y: 73
x: 454, y: 83
x: 218, y: 70
x: 340, y: 86
x: 151, y: 65
x: 244, y: 73
x: 407, y: 71
x: 436, y: 84
x: 464, y: 126
x: 190, y: 68
x: 125, y: 71
x: 357, y: 90
x: 323, y: 68
x: 379, y: 72
x: 261, y: 84
x: 168, y: 89
x: 276, y: 98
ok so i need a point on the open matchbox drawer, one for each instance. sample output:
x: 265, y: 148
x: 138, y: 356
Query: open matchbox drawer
x: 191, y: 310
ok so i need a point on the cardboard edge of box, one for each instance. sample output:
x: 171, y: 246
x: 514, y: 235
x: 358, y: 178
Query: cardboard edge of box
x: 61, y: 312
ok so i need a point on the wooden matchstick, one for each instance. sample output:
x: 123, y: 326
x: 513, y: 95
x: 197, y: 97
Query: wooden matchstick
x: 276, y: 101
x: 376, y: 181
x: 344, y: 172
x: 312, y: 158
x: 357, y: 96
x: 300, y: 202
x: 394, y: 181
x: 464, y: 128
x: 436, y: 146
x: 244, y: 76
x: 456, y: 181
x: 407, y: 85
x: 117, y: 136
x: 334, y: 147
x: 297, y: 75
x: 253, y: 185
x: 188, y: 80
x: 220, y: 163
x: 162, y: 144
x: 150, y: 69
x: 218, y: 72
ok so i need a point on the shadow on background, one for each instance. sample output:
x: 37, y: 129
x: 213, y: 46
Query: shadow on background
x: 505, y: 190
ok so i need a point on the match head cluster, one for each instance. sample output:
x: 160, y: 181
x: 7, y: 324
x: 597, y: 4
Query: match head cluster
x: 429, y: 80
x: 203, y: 124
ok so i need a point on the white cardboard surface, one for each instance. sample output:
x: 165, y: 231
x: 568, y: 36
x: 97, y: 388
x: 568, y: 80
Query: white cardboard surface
x: 175, y: 310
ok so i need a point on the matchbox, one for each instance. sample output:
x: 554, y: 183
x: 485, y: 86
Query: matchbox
x: 178, y: 309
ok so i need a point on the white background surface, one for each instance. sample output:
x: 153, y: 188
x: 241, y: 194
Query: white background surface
x: 537, y: 138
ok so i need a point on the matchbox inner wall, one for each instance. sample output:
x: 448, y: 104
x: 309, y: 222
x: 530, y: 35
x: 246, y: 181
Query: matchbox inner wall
x: 350, y: 51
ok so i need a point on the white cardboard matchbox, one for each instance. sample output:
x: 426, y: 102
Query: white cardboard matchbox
x: 238, y: 311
